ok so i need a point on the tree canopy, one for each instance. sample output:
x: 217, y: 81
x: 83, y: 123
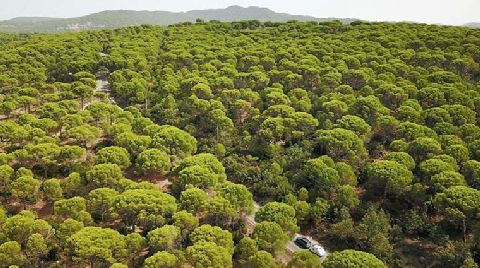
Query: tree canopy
x: 213, y: 144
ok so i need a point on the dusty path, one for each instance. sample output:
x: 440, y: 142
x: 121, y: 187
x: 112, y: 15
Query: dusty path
x: 291, y: 247
x: 102, y: 87
x: 13, y: 114
x: 250, y: 219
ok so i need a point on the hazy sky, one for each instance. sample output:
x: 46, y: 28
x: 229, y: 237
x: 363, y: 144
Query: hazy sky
x: 430, y: 11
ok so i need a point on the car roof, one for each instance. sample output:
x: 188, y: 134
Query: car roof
x: 318, y: 248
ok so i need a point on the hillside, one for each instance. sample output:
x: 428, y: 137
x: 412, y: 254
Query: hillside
x: 473, y: 24
x: 122, y: 18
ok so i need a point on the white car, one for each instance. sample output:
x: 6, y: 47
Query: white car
x: 317, y: 250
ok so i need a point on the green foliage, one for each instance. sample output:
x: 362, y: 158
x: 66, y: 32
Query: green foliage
x: 6, y: 176
x: 118, y: 265
x: 238, y: 195
x: 113, y: 155
x: 52, y: 189
x: 208, y: 233
x: 204, y: 160
x: 185, y: 221
x: 280, y: 213
x: 320, y: 175
x: 36, y: 247
x: 67, y: 229
x: 263, y: 259
x: 104, y: 175
x: 355, y: 124
x: 135, y: 144
x: 341, y: 144
x: 346, y: 196
x: 446, y: 179
x: 471, y: 171
x: 70, y: 208
x: 270, y: 237
x: 197, y: 176
x: 161, y: 259
x: 463, y: 198
x: 430, y: 167
x: 100, y: 202
x: 132, y: 204
x: 401, y: 158
x: 423, y: 148
x: 11, y: 254
x: 73, y: 185
x: 352, y: 258
x: 19, y: 227
x: 176, y: 142
x: 84, y: 134
x: 135, y: 243
x: 97, y: 246
x: 374, y: 231
x: 165, y: 238
x: 393, y: 177
x: 153, y: 160
x: 208, y: 254
x: 193, y: 200
x: 245, y: 248
x: 26, y: 189
x: 304, y: 259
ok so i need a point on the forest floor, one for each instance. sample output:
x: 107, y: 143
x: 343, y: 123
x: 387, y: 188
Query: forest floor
x: 18, y: 111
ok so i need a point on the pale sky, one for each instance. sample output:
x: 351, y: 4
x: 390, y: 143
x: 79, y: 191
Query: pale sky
x: 455, y: 12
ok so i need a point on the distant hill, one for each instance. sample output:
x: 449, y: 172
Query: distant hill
x: 473, y: 24
x: 121, y: 18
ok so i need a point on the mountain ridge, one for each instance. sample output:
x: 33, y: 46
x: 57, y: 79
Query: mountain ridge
x: 121, y: 18
x: 473, y: 24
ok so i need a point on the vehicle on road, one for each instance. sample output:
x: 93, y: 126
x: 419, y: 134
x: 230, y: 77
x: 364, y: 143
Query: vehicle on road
x: 317, y: 250
x: 302, y: 242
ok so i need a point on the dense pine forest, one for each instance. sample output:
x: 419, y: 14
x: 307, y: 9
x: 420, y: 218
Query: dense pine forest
x: 213, y: 144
